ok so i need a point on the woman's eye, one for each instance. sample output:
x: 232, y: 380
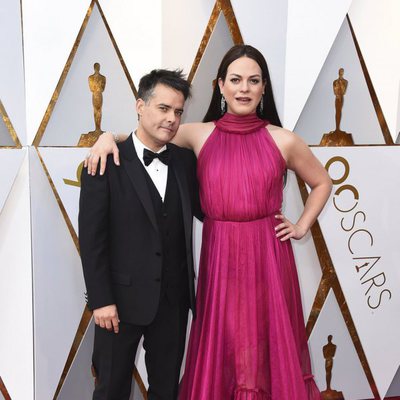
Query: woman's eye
x: 255, y: 81
x: 234, y: 80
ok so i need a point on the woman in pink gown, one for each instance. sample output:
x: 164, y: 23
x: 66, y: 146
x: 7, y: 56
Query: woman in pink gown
x: 248, y: 341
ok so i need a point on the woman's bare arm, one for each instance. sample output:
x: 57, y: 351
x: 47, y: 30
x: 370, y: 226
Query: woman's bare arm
x: 106, y: 144
x: 191, y: 136
x: 302, y: 161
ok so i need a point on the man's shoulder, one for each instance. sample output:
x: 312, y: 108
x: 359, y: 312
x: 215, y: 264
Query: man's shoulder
x: 181, y: 152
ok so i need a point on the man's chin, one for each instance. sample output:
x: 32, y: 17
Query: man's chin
x: 167, y: 136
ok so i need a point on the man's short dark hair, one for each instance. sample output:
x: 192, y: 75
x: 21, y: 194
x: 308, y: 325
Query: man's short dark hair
x: 173, y: 79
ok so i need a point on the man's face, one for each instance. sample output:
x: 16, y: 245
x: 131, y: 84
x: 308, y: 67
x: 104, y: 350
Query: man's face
x: 160, y: 116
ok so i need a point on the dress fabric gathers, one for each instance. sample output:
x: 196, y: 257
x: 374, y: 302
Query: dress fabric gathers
x: 248, y: 341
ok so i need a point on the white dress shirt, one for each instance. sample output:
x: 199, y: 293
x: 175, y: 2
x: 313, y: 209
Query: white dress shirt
x: 157, y: 170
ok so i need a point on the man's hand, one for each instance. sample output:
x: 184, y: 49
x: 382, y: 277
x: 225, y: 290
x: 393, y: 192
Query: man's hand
x: 107, y: 317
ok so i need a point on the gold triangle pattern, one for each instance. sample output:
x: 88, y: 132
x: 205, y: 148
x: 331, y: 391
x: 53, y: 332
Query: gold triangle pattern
x: 375, y: 101
x: 71, y: 229
x: 225, y: 7
x: 57, y: 91
x: 10, y: 128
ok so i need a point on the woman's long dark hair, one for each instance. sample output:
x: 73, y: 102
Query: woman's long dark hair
x: 242, y: 50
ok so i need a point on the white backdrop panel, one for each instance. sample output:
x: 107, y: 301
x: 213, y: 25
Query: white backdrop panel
x: 136, y: 27
x: 183, y: 25
x: 50, y: 30
x: 359, y: 226
x: 63, y: 164
x: 394, y: 389
x: 377, y: 28
x: 16, y: 346
x: 263, y: 24
x: 57, y: 281
x: 12, y: 88
x: 347, y: 372
x: 10, y: 162
x: 307, y: 262
x: 358, y: 113
x: 73, y: 113
x: 220, y: 42
x: 79, y: 382
x: 306, y: 50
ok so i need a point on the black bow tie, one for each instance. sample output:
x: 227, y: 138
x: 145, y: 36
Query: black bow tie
x: 149, y: 156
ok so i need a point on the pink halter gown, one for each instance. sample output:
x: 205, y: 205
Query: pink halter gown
x: 248, y: 341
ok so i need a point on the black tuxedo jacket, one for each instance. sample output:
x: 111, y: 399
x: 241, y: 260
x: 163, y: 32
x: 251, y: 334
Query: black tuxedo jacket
x: 120, y: 242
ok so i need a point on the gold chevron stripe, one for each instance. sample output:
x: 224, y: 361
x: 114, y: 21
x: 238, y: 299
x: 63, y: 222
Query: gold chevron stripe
x: 60, y: 203
x: 3, y: 390
x: 82, y: 327
x: 375, y: 101
x: 9, y: 127
x: 62, y: 79
x: 225, y: 7
x: 121, y: 59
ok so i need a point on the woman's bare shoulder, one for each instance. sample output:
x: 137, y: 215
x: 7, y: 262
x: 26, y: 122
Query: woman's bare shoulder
x: 284, y: 139
x: 293, y: 148
x: 193, y: 135
x: 197, y: 127
x: 282, y: 135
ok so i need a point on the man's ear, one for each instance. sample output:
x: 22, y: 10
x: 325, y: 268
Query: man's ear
x: 139, y: 106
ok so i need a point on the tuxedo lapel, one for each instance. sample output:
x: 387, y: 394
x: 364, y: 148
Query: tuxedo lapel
x: 134, y: 169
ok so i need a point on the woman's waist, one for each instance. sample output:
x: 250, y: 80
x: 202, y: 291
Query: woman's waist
x: 242, y: 219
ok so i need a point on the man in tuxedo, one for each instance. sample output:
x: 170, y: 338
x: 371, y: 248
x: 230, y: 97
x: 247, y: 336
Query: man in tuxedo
x: 135, y: 234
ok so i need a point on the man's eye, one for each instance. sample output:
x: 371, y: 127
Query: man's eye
x: 163, y: 108
x: 179, y: 113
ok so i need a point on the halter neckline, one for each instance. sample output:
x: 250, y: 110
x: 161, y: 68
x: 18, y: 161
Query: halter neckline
x: 240, y: 124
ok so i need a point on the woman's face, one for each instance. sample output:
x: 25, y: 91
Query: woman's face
x: 243, y: 86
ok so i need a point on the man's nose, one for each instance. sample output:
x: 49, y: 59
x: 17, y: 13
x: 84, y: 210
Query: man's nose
x: 171, y: 116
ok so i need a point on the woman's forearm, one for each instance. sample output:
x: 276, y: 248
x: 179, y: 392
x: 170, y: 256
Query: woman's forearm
x: 314, y: 204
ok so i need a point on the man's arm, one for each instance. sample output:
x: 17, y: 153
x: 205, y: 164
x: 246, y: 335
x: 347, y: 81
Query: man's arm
x: 94, y: 248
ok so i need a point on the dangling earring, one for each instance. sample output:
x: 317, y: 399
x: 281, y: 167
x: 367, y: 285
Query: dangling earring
x: 223, y: 104
x: 262, y: 104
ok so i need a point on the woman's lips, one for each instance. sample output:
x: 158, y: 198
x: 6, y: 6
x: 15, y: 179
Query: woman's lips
x: 243, y: 100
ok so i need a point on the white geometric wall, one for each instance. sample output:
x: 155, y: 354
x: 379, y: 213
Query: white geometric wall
x: 48, y: 49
